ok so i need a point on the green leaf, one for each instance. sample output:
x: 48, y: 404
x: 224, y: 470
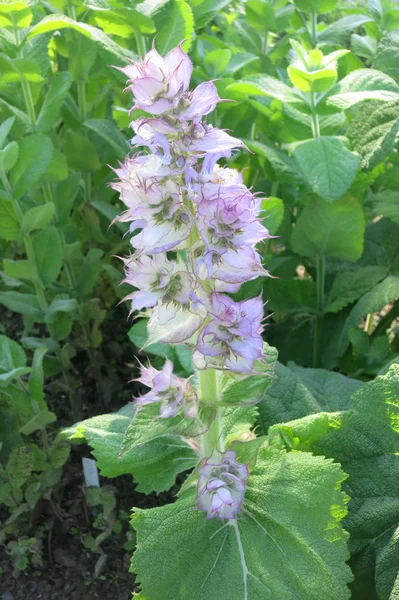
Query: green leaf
x: 348, y: 286
x: 25, y: 304
x: 154, y: 465
x: 9, y: 221
x: 287, y: 296
x: 330, y: 229
x: 57, y: 91
x: 58, y: 167
x: 298, y: 392
x: 125, y: 22
x: 110, y: 49
x: 264, y: 85
x: 173, y: 24
x: 12, y: 355
x: 111, y: 134
x: 206, y: 10
x: 38, y: 217
x: 363, y: 84
x: 36, y: 379
x: 80, y: 153
x: 47, y: 248
x: 89, y: 272
x: 273, y: 208
x: 60, y: 305
x: 386, y: 204
x: 386, y: 58
x: 363, y: 46
x: 365, y: 441
x: 39, y: 421
x: 138, y: 334
x: 19, y: 466
x: 283, y: 165
x: 19, y: 69
x: 5, y: 129
x: 339, y: 30
x: 373, y: 131
x: 382, y: 294
x: 230, y: 560
x: 35, y: 152
x: 328, y: 166
x: 18, y: 269
x: 249, y: 390
x: 65, y: 196
x: 9, y: 156
x: 216, y: 62
x: 317, y: 6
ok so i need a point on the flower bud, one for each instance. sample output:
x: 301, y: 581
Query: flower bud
x: 221, y: 485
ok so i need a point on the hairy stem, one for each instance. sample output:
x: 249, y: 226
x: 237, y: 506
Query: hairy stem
x: 213, y: 438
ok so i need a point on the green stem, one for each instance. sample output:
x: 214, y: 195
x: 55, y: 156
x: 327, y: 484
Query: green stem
x: 28, y: 101
x: 140, y: 45
x: 213, y: 438
x: 314, y: 27
x: 369, y: 323
x: 82, y: 100
x: 320, y: 281
x: 209, y: 397
x: 265, y: 44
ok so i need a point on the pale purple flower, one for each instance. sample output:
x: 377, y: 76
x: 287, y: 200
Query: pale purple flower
x: 155, y: 277
x: 156, y: 82
x: 232, y: 338
x: 221, y: 485
x: 174, y: 321
x: 174, y: 394
x: 229, y: 219
x: 199, y: 102
x: 202, y: 139
x: 135, y: 175
x: 232, y: 266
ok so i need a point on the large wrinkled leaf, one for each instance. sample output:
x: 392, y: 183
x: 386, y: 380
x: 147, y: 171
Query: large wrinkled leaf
x: 154, y: 465
x: 339, y: 30
x: 387, y: 54
x: 363, y: 84
x: 365, y: 441
x: 373, y: 131
x: 328, y: 166
x: 298, y: 392
x: 348, y: 286
x: 386, y: 204
x: 290, y: 528
x: 330, y: 229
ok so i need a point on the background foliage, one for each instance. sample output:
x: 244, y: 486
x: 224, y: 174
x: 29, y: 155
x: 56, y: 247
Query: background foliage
x: 322, y: 127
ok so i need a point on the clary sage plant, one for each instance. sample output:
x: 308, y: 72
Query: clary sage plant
x: 195, y: 226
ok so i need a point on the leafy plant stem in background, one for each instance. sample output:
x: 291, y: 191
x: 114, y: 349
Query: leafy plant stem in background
x: 320, y: 283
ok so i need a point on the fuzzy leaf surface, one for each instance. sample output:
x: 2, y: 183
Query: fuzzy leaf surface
x: 293, y: 507
x: 365, y: 441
